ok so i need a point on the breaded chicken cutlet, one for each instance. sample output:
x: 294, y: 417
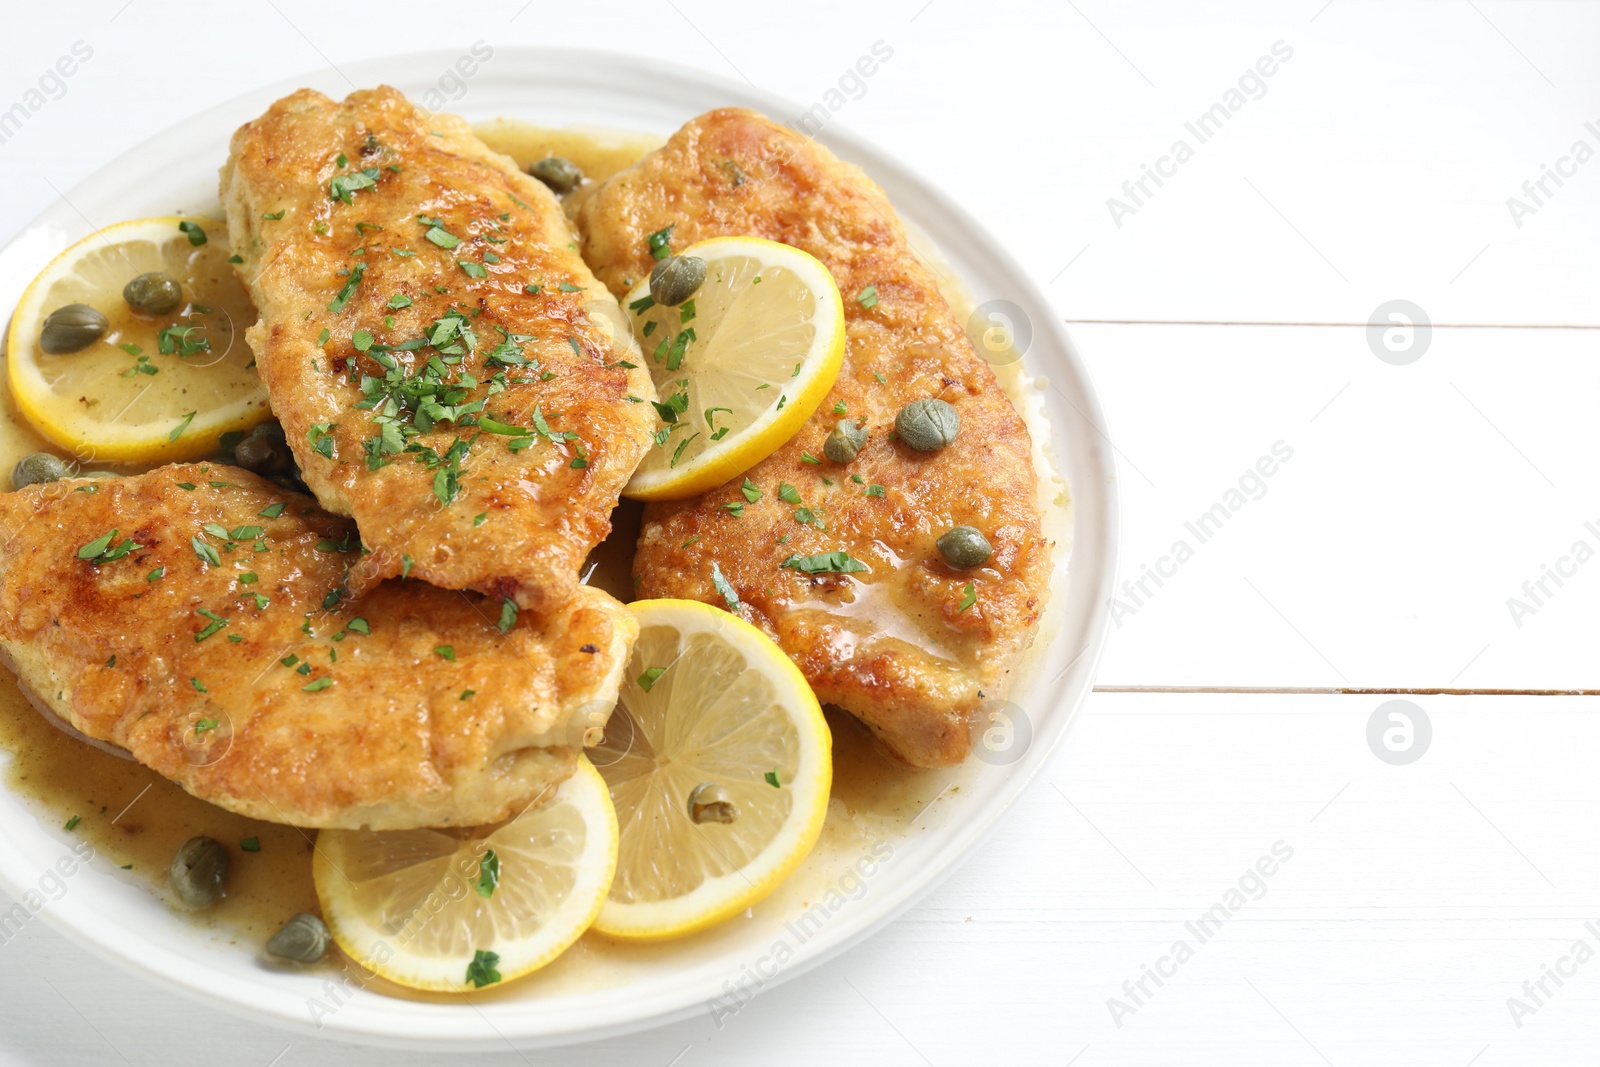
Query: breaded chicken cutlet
x: 193, y: 616
x: 448, y: 372
x: 911, y: 646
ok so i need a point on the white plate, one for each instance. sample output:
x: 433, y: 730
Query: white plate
x: 101, y: 910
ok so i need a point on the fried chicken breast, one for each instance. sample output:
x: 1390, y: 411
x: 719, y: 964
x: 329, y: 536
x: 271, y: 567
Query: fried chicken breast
x: 194, y: 616
x: 447, y: 370
x: 911, y: 646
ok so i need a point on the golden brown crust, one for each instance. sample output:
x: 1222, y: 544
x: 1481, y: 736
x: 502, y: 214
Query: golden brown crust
x: 115, y: 648
x: 541, y: 514
x: 893, y: 646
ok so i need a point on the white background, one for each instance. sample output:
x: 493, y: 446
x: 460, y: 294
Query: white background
x: 1224, y: 315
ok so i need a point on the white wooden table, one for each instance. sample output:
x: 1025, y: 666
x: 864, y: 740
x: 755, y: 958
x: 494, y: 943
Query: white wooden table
x: 1223, y: 313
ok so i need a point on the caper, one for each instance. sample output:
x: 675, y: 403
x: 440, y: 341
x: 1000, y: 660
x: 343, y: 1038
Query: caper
x: 303, y: 939
x: 153, y: 293
x: 927, y: 425
x: 676, y: 278
x: 561, y: 175
x: 264, y: 451
x: 69, y: 328
x: 38, y: 467
x: 964, y: 547
x: 199, y: 870
x: 845, y: 442
x: 710, y: 802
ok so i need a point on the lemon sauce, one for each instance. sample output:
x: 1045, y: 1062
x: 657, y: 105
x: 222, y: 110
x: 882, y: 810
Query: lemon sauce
x: 136, y: 820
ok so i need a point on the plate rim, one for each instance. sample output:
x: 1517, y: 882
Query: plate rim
x: 430, y: 1025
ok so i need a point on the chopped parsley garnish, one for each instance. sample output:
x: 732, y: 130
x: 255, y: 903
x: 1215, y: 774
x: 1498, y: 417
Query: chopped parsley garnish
x: 348, y: 289
x: 868, y: 297
x: 217, y: 622
x: 438, y: 234
x: 648, y: 679
x: 272, y: 216
x: 317, y: 686
x: 205, y: 551
x: 447, y: 651
x: 467, y: 694
x: 272, y: 511
x: 320, y: 438
x: 508, y: 614
x: 187, y: 340
x: 203, y: 726
x: 471, y: 269
x: 344, y: 186
x: 488, y: 874
x: 100, y: 550
x: 881, y: 379
x: 969, y: 597
x: 807, y: 457
x: 158, y: 573
x: 251, y: 844
x: 874, y: 490
x: 729, y: 594
x: 199, y: 686
x: 675, y: 405
x: 568, y: 287
x: 643, y: 304
x: 838, y: 407
x: 824, y: 563
x: 677, y: 453
x: 660, y: 243
x: 399, y: 300
x: 360, y: 626
x: 772, y: 779
x: 751, y: 492
x: 788, y: 493
x: 72, y: 823
x: 488, y: 425
x: 680, y: 344
x: 192, y: 230
x: 481, y: 971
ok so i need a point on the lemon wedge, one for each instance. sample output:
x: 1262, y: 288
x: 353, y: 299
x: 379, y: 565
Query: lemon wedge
x: 154, y: 388
x: 739, y: 367
x: 458, y: 910
x: 719, y: 763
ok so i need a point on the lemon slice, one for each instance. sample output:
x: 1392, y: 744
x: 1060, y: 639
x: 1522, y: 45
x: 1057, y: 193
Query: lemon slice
x: 740, y: 367
x: 712, y: 714
x: 122, y: 398
x: 410, y: 905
